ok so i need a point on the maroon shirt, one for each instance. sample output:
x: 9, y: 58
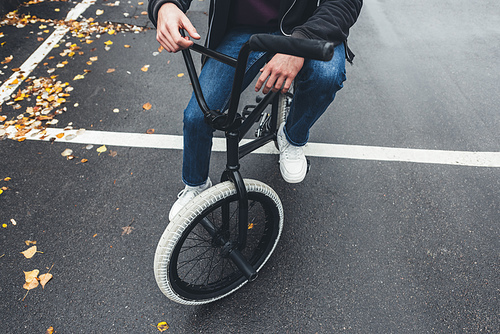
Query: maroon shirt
x: 256, y: 13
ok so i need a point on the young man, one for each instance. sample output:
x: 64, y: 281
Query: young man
x: 231, y: 23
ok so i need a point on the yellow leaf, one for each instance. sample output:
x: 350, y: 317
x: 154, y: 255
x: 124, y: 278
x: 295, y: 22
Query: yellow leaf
x: 180, y: 75
x: 45, y: 278
x: 29, y: 252
x: 3, y: 225
x: 111, y: 32
x: 108, y: 43
x: 88, y: 41
x: 102, y: 149
x: 60, y: 135
x: 29, y: 242
x: 126, y: 46
x: 31, y: 275
x: 93, y: 58
x: 50, y: 330
x: 79, y: 77
x: 31, y: 285
x: 162, y: 326
x: 145, y: 68
x: 146, y: 106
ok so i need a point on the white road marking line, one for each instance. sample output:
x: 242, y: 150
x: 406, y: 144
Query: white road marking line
x: 174, y: 142
x: 36, y: 57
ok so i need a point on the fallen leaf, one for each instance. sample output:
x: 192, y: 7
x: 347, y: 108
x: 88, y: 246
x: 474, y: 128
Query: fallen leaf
x: 31, y: 285
x: 99, y: 12
x: 30, y: 275
x: 30, y: 242
x: 150, y: 131
x: 83, y: 161
x: 102, y: 149
x: 67, y: 152
x: 13, y: 222
x: 50, y: 330
x: 60, y: 135
x: 110, y: 70
x: 79, y: 77
x: 146, y: 106
x: 180, y: 75
x: 126, y: 46
x: 7, y: 60
x: 145, y: 68
x: 112, y: 153
x: 162, y: 326
x: 29, y: 252
x: 127, y: 230
x: 44, y: 279
x: 93, y: 58
x: 108, y: 43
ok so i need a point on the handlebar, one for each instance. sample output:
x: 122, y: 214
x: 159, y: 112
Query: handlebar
x: 305, y: 48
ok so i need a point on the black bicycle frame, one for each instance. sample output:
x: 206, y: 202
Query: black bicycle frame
x: 235, y: 129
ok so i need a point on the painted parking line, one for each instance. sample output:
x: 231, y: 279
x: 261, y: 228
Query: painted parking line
x: 36, y: 57
x: 159, y: 141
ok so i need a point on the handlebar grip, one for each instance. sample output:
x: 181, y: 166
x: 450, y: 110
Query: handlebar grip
x: 305, y: 48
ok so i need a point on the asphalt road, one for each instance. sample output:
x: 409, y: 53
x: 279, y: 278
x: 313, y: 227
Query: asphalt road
x: 369, y: 245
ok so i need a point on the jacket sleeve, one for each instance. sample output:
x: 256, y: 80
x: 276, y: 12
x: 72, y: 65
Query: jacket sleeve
x: 331, y: 21
x: 154, y: 6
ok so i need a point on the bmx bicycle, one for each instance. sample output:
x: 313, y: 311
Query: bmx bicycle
x: 222, y: 238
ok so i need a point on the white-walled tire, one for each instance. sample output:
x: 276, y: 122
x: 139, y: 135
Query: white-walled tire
x: 188, y: 265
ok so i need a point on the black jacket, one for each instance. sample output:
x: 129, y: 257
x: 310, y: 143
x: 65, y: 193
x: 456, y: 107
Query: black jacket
x: 328, y: 20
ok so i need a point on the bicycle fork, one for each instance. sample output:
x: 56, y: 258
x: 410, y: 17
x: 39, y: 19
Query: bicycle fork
x: 229, y: 248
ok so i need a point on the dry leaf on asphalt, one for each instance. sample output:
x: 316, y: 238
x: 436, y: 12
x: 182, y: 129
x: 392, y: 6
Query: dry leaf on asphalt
x: 50, y: 330
x: 127, y: 230
x: 147, y: 106
x: 29, y: 252
x: 30, y: 275
x: 162, y: 326
x: 44, y: 279
x: 101, y: 149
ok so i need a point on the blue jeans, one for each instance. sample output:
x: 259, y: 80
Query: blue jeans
x: 315, y: 88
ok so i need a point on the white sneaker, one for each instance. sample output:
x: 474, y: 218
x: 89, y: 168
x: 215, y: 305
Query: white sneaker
x: 293, y: 162
x: 187, y: 194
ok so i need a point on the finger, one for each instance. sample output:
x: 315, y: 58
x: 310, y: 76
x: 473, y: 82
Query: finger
x: 279, y: 83
x: 188, y: 26
x: 269, y: 85
x: 287, y: 85
x: 262, y: 79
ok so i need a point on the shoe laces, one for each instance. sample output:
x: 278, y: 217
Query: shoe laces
x: 292, y: 152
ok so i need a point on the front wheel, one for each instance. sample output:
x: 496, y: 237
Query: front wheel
x: 191, y: 264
